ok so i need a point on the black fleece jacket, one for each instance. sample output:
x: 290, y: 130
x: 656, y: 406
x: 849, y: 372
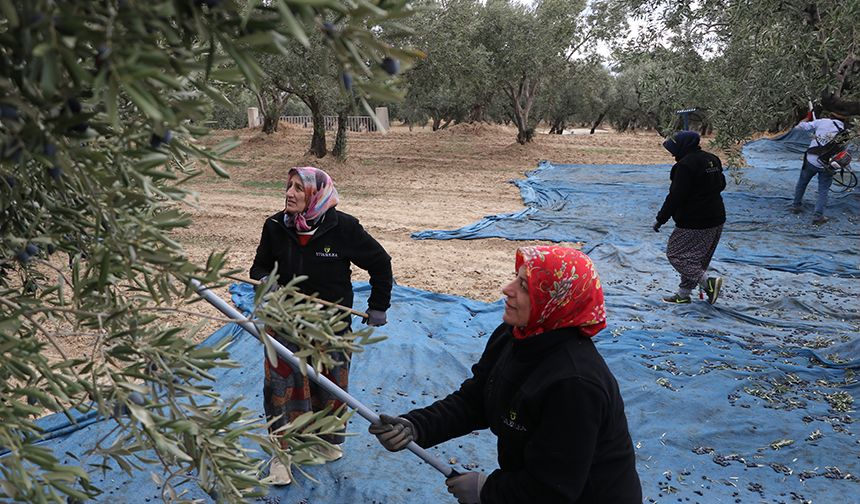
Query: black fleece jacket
x: 694, y: 200
x: 339, y: 240
x: 558, y: 415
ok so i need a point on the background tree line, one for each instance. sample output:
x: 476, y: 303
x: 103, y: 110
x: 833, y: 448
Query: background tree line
x: 747, y: 68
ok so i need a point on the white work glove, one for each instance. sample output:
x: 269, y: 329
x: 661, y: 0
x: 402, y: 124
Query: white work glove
x: 467, y: 487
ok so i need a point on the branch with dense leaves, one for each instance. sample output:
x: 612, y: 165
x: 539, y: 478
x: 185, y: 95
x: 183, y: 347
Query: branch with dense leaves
x: 102, y: 106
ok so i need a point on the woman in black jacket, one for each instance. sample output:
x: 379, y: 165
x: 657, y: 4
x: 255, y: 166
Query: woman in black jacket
x: 695, y: 204
x: 310, y: 237
x: 542, y: 387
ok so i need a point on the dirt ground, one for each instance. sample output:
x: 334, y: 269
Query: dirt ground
x: 399, y: 183
x: 395, y: 183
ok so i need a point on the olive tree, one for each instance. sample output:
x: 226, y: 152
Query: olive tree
x: 528, y: 43
x: 763, y: 61
x: 654, y: 85
x: 578, y: 93
x: 453, y: 81
x: 102, y: 111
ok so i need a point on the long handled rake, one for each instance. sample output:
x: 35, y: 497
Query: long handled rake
x: 319, y: 379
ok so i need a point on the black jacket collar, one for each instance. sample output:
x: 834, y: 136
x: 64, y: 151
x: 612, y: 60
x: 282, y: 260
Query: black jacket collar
x: 540, y: 345
x: 328, y: 223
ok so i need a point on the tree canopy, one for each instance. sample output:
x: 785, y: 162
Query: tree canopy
x: 753, y: 66
x: 497, y: 60
x: 102, y: 112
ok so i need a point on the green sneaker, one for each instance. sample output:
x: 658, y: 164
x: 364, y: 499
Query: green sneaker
x: 712, y: 288
x: 677, y: 299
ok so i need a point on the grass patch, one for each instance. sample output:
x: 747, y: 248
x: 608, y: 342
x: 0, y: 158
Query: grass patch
x: 352, y: 193
x: 262, y: 185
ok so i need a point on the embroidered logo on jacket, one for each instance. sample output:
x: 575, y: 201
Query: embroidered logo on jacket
x: 510, y: 421
x: 712, y: 167
x: 327, y: 252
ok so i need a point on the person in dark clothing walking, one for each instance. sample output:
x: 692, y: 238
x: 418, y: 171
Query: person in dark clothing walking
x: 543, y: 389
x: 695, y: 204
x: 310, y: 237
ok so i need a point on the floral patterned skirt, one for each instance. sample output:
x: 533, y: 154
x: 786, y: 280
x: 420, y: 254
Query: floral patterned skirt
x: 288, y: 393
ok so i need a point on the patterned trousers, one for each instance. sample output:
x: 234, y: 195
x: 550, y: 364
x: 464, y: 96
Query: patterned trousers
x: 288, y: 393
x: 690, y: 252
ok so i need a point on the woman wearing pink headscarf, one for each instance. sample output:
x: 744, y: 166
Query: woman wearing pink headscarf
x: 310, y: 237
x: 544, y: 390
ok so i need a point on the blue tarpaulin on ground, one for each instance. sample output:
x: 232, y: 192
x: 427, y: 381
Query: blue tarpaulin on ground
x: 750, y: 400
x: 616, y: 204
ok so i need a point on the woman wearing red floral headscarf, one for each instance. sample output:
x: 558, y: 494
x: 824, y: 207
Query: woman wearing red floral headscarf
x: 311, y: 237
x: 544, y: 390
